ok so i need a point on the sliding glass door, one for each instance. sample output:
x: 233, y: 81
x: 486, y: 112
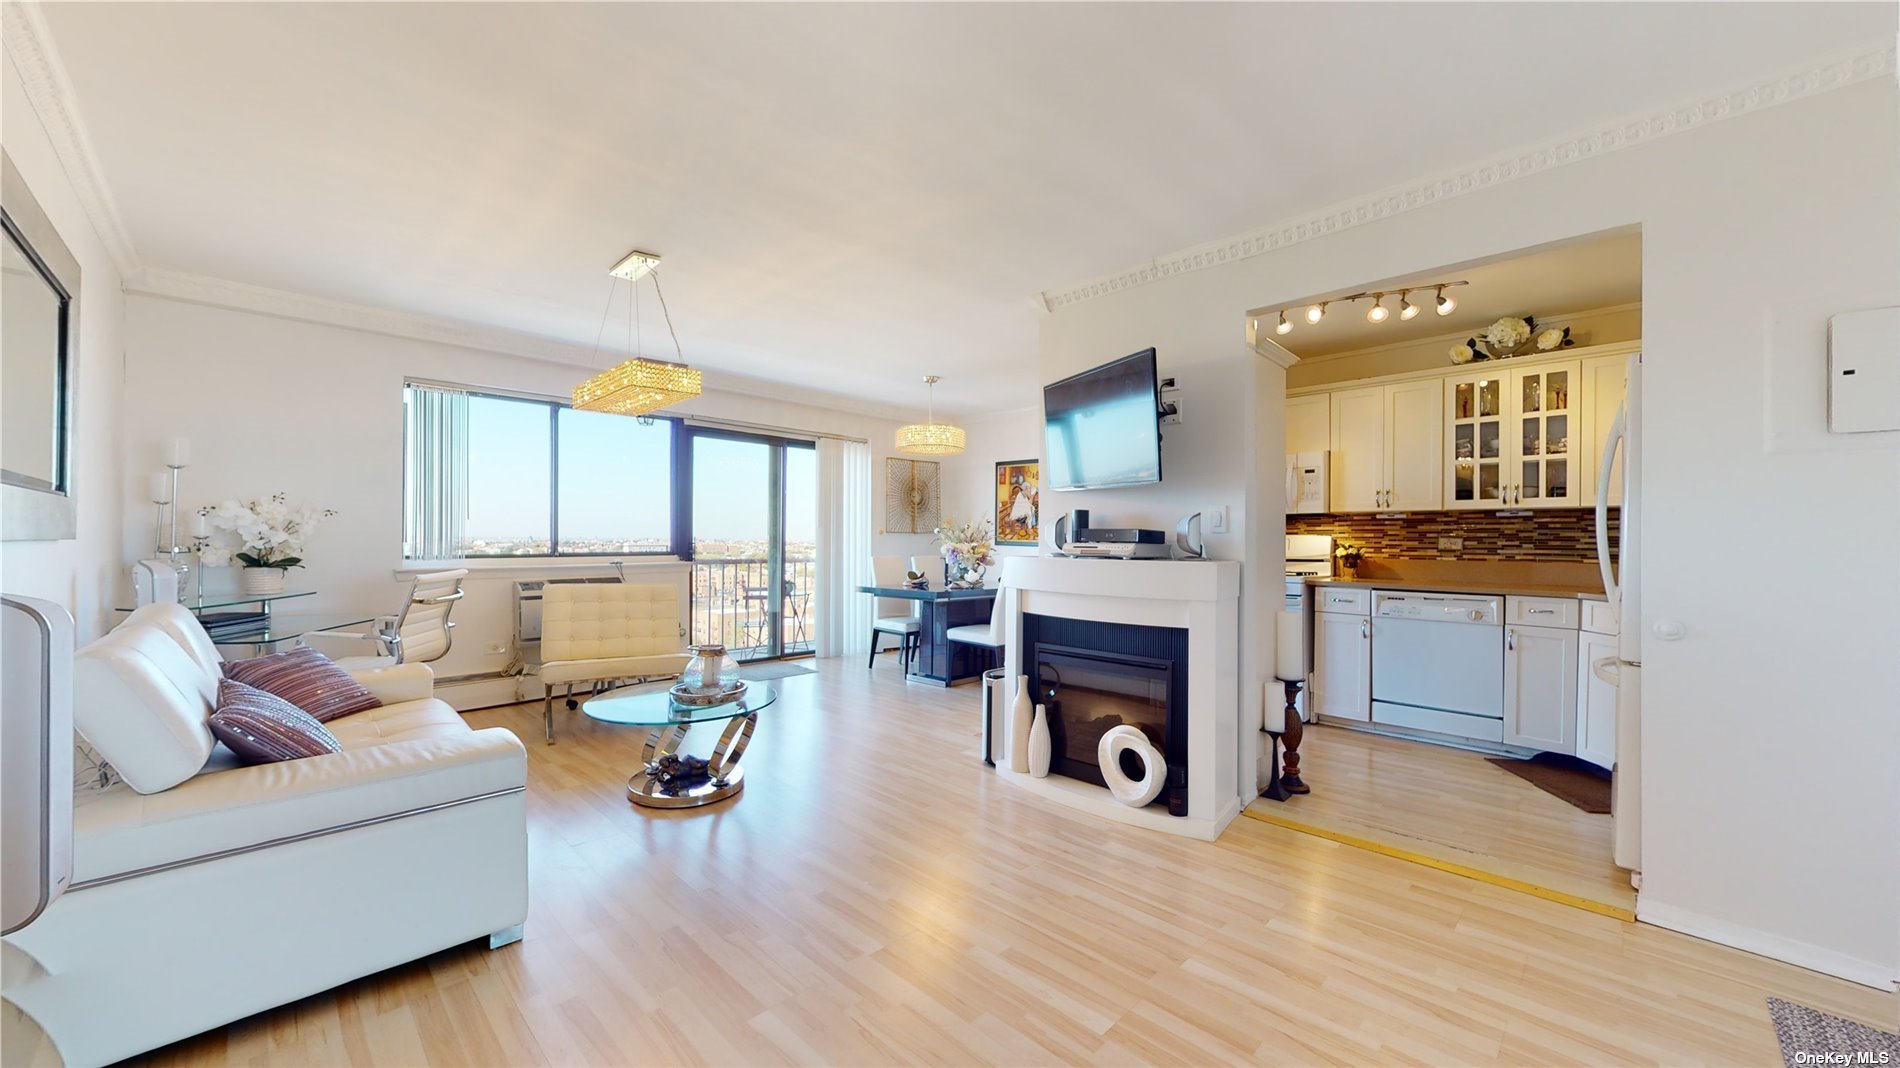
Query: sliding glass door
x: 754, y: 522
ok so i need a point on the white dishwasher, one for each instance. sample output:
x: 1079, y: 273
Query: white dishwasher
x: 1438, y: 663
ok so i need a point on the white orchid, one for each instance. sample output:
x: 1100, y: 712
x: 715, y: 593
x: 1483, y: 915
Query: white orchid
x: 271, y: 533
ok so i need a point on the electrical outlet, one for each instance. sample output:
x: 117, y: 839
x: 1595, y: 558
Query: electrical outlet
x: 1216, y: 519
x: 1451, y: 545
x: 498, y: 648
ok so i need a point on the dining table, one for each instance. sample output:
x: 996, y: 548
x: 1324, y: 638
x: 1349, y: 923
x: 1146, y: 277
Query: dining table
x: 940, y: 660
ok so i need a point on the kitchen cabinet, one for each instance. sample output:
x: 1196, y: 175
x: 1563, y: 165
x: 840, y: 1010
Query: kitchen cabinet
x: 1604, y: 386
x: 1512, y: 437
x: 1596, y: 700
x: 1540, y: 688
x: 1384, y: 442
x: 1309, y: 423
x: 1342, y: 665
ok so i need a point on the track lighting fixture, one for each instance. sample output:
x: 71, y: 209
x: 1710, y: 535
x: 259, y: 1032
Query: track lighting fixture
x: 1376, y: 314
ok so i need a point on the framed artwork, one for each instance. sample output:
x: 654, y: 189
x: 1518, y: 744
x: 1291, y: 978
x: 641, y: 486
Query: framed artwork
x: 1018, y: 496
x: 912, y: 495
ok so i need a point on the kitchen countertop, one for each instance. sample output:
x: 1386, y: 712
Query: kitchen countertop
x: 1462, y: 586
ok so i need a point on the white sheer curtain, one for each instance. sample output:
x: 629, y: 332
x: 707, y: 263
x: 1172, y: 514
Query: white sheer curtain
x: 435, y: 472
x: 844, y: 547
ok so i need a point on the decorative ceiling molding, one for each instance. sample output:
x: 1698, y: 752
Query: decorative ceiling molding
x: 187, y: 288
x: 1825, y: 76
x: 50, y: 93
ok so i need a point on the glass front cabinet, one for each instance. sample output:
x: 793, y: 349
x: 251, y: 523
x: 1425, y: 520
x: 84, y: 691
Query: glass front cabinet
x: 1510, y: 433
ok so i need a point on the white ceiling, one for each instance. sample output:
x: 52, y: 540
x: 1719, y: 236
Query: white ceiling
x: 1577, y: 276
x: 847, y: 196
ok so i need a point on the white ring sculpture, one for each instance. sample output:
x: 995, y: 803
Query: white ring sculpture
x: 1108, y: 752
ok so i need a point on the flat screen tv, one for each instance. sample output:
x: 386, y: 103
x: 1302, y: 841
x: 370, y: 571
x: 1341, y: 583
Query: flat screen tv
x: 1103, y: 427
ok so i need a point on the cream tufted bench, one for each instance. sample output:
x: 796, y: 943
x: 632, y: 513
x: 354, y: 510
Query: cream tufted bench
x: 600, y: 632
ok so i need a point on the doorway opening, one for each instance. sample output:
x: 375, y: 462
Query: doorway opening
x: 1456, y: 471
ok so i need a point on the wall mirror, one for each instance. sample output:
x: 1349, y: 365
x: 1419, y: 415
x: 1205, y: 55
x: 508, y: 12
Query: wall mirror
x: 39, y: 346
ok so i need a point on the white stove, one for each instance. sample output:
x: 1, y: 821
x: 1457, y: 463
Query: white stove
x: 1307, y: 556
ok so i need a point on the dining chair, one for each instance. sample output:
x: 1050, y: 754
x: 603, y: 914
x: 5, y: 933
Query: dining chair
x: 987, y: 636
x: 894, y: 615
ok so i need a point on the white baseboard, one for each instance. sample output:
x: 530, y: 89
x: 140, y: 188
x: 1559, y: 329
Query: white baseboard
x: 479, y: 693
x: 1814, y: 958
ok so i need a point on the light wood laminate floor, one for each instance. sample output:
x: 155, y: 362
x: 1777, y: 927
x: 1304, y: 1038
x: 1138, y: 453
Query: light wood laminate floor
x: 876, y: 897
x: 1453, y: 805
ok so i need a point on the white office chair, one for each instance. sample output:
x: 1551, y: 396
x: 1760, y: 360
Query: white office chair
x: 421, y: 632
x: 988, y: 636
x: 895, y: 615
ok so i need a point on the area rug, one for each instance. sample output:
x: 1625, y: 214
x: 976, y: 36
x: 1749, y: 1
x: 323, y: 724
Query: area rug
x: 1579, y: 782
x: 1810, y: 1038
x: 775, y: 670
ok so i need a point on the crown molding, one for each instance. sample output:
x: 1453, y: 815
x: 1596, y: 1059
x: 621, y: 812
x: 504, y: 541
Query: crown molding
x: 168, y: 284
x: 1837, y: 72
x: 50, y: 93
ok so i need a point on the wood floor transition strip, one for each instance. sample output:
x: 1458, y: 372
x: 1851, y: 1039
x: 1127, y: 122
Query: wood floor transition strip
x: 1601, y: 908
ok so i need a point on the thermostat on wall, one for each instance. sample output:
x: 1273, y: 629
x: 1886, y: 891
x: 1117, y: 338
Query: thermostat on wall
x: 1863, y: 371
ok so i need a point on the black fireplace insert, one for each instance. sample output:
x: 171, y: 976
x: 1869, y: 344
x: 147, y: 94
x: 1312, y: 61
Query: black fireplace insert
x: 1094, y: 676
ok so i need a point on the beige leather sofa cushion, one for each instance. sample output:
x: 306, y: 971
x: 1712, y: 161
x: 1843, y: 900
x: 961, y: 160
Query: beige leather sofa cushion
x: 142, y: 701
x: 601, y: 621
x: 396, y: 759
x: 621, y: 667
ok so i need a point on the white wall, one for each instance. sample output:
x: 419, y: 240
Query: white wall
x: 315, y: 411
x: 1012, y: 430
x: 85, y: 573
x: 1771, y: 806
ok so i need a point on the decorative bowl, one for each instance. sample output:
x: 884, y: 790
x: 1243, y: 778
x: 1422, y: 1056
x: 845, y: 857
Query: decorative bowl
x: 686, y: 696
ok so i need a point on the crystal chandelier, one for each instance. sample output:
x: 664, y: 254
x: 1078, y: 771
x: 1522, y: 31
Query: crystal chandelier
x: 930, y: 438
x: 638, y: 385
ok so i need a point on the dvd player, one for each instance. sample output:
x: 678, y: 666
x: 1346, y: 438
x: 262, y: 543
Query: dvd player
x: 1118, y: 550
x: 1130, y: 535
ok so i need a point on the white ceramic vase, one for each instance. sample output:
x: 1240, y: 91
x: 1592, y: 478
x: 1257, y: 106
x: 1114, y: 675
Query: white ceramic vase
x: 261, y: 579
x: 1039, y: 744
x: 1108, y: 753
x: 1021, y: 712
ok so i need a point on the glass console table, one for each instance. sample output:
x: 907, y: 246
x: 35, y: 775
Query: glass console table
x: 667, y: 780
x: 266, y: 633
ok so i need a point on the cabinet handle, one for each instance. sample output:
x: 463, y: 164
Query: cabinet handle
x: 1541, y: 611
x: 1510, y: 641
x: 1365, y: 628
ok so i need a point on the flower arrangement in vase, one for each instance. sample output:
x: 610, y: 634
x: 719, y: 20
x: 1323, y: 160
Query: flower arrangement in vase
x: 1350, y: 557
x: 1512, y: 335
x: 271, y: 537
x: 967, y: 549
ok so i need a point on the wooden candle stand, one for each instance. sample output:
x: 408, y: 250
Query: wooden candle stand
x: 1286, y: 777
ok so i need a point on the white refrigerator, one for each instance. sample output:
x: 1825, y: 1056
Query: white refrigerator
x: 1622, y: 582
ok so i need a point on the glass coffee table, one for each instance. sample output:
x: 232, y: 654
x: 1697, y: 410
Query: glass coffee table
x: 669, y: 780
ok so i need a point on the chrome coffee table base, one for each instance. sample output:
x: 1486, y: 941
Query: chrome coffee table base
x: 727, y: 777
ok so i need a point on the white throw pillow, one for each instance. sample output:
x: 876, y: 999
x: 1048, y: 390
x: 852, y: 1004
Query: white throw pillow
x: 143, y: 702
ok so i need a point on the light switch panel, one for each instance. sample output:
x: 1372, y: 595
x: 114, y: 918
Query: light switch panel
x: 1863, y: 371
x: 1216, y: 519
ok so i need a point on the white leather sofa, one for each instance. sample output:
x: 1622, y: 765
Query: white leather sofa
x: 241, y: 888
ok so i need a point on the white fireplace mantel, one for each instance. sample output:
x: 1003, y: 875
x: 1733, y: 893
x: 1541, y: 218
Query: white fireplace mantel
x: 1199, y: 596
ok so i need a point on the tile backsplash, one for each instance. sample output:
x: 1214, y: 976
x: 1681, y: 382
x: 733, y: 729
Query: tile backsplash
x: 1556, y: 534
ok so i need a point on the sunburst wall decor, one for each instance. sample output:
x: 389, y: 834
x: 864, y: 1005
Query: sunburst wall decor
x: 911, y: 495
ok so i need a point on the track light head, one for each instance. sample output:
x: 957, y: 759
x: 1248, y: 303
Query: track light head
x: 1446, y: 305
x: 1317, y: 312
x: 1283, y: 327
x: 1377, y: 313
x: 1407, y: 309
